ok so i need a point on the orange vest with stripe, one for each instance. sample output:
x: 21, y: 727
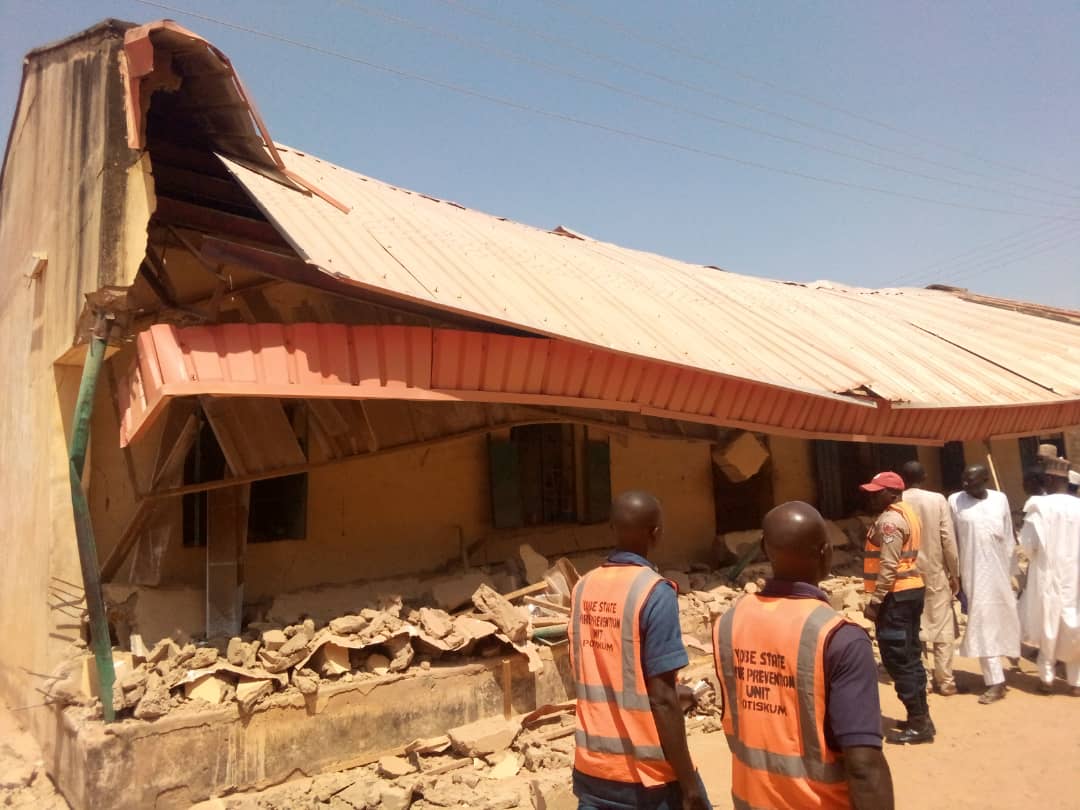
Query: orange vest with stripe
x: 907, y: 575
x: 770, y: 660
x: 616, y: 735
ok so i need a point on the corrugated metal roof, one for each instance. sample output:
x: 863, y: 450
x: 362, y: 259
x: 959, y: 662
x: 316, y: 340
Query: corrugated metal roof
x: 332, y: 361
x: 921, y: 347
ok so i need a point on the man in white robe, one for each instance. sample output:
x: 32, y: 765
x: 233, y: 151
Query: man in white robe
x: 1050, y: 604
x: 987, y: 544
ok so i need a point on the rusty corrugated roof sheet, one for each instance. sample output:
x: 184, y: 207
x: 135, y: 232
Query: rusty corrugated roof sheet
x: 919, y: 347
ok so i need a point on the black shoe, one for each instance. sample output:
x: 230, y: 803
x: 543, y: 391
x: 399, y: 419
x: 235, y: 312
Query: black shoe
x: 993, y: 694
x: 904, y: 724
x: 916, y: 730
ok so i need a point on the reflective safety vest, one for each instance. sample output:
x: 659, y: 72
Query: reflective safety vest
x: 616, y: 735
x: 907, y: 574
x: 770, y: 660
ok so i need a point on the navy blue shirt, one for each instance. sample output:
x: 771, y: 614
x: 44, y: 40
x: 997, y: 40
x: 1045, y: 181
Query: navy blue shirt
x: 662, y: 650
x: 852, y: 706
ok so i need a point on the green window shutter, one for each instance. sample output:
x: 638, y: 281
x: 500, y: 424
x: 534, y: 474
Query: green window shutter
x: 597, y: 482
x: 506, y: 512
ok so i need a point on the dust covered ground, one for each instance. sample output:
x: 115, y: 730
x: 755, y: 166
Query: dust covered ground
x: 1023, y: 751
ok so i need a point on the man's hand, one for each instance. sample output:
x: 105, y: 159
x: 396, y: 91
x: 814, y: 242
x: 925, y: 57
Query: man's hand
x: 872, y: 610
x: 666, y: 711
x: 954, y: 585
x: 693, y: 796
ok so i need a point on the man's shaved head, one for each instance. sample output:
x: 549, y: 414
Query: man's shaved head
x: 637, y: 521
x: 913, y: 473
x: 974, y: 480
x: 797, y: 543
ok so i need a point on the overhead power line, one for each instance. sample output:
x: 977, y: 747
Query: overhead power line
x: 977, y: 253
x: 520, y: 58
x: 672, y: 81
x: 589, y: 124
x: 1013, y: 257
x: 776, y: 87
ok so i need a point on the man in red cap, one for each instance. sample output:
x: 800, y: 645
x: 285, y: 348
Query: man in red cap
x: 897, y: 593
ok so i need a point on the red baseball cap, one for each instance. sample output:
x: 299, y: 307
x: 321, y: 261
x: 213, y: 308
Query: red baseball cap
x: 884, y: 480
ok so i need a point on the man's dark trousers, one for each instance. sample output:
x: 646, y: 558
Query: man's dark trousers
x: 901, y: 653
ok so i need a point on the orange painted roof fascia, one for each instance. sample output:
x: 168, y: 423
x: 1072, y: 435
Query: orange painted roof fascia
x: 418, y: 363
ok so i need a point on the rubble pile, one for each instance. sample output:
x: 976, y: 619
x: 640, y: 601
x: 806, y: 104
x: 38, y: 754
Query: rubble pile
x: 493, y: 764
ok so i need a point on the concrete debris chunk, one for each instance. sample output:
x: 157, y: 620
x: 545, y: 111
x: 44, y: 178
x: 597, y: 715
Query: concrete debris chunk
x: 506, y: 767
x: 348, y: 625
x: 436, y: 623
x: 164, y: 650
x: 377, y: 663
x: 273, y: 640
x: 534, y: 563
x: 155, y: 700
x: 392, y: 797
x: 332, y: 659
x: 401, y: 651
x: 210, y: 688
x: 510, y: 620
x: 455, y: 591
x: 327, y: 785
x: 362, y: 794
x: 491, y: 735
x: 236, y: 652
x: 297, y: 643
x: 395, y: 767
x: 250, y: 692
x: 391, y: 605
x: 307, y: 627
x: 551, y: 795
x: 306, y: 681
x: 741, y: 458
x: 204, y: 657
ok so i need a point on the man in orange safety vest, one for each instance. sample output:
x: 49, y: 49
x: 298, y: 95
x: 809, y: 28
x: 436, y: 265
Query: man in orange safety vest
x: 799, y: 684
x: 625, y: 648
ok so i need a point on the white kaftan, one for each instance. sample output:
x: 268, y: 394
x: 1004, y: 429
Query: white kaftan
x: 984, y: 534
x: 1050, y: 605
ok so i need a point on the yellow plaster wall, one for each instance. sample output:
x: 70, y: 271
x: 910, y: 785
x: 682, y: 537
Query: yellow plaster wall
x: 408, y: 512
x: 63, y: 195
x: 793, y: 474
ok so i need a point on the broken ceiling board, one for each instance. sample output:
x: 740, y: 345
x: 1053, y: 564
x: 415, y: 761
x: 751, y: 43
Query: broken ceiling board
x: 227, y: 510
x: 254, y: 433
x: 341, y: 426
x: 389, y: 422
x: 741, y: 458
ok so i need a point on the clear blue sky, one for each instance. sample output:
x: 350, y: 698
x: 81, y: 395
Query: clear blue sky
x: 985, y: 93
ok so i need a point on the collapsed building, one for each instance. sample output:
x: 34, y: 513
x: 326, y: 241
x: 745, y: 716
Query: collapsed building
x: 310, y: 440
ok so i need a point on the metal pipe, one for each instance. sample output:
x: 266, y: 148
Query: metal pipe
x: 84, y: 529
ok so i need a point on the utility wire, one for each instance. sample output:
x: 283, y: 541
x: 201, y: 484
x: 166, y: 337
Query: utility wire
x: 977, y: 253
x: 658, y: 102
x: 1012, y: 258
x: 594, y: 125
x: 774, y: 86
x: 711, y: 93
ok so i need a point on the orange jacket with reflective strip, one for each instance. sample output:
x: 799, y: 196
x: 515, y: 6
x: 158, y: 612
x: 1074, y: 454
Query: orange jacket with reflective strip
x: 616, y: 734
x: 907, y: 575
x: 770, y: 659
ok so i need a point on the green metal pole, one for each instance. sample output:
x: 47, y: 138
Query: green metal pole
x: 84, y: 529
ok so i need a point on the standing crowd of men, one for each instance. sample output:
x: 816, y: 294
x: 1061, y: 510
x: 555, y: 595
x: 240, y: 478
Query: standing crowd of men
x: 799, y: 683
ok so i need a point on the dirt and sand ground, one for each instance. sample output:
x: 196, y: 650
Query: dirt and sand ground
x: 1023, y: 752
